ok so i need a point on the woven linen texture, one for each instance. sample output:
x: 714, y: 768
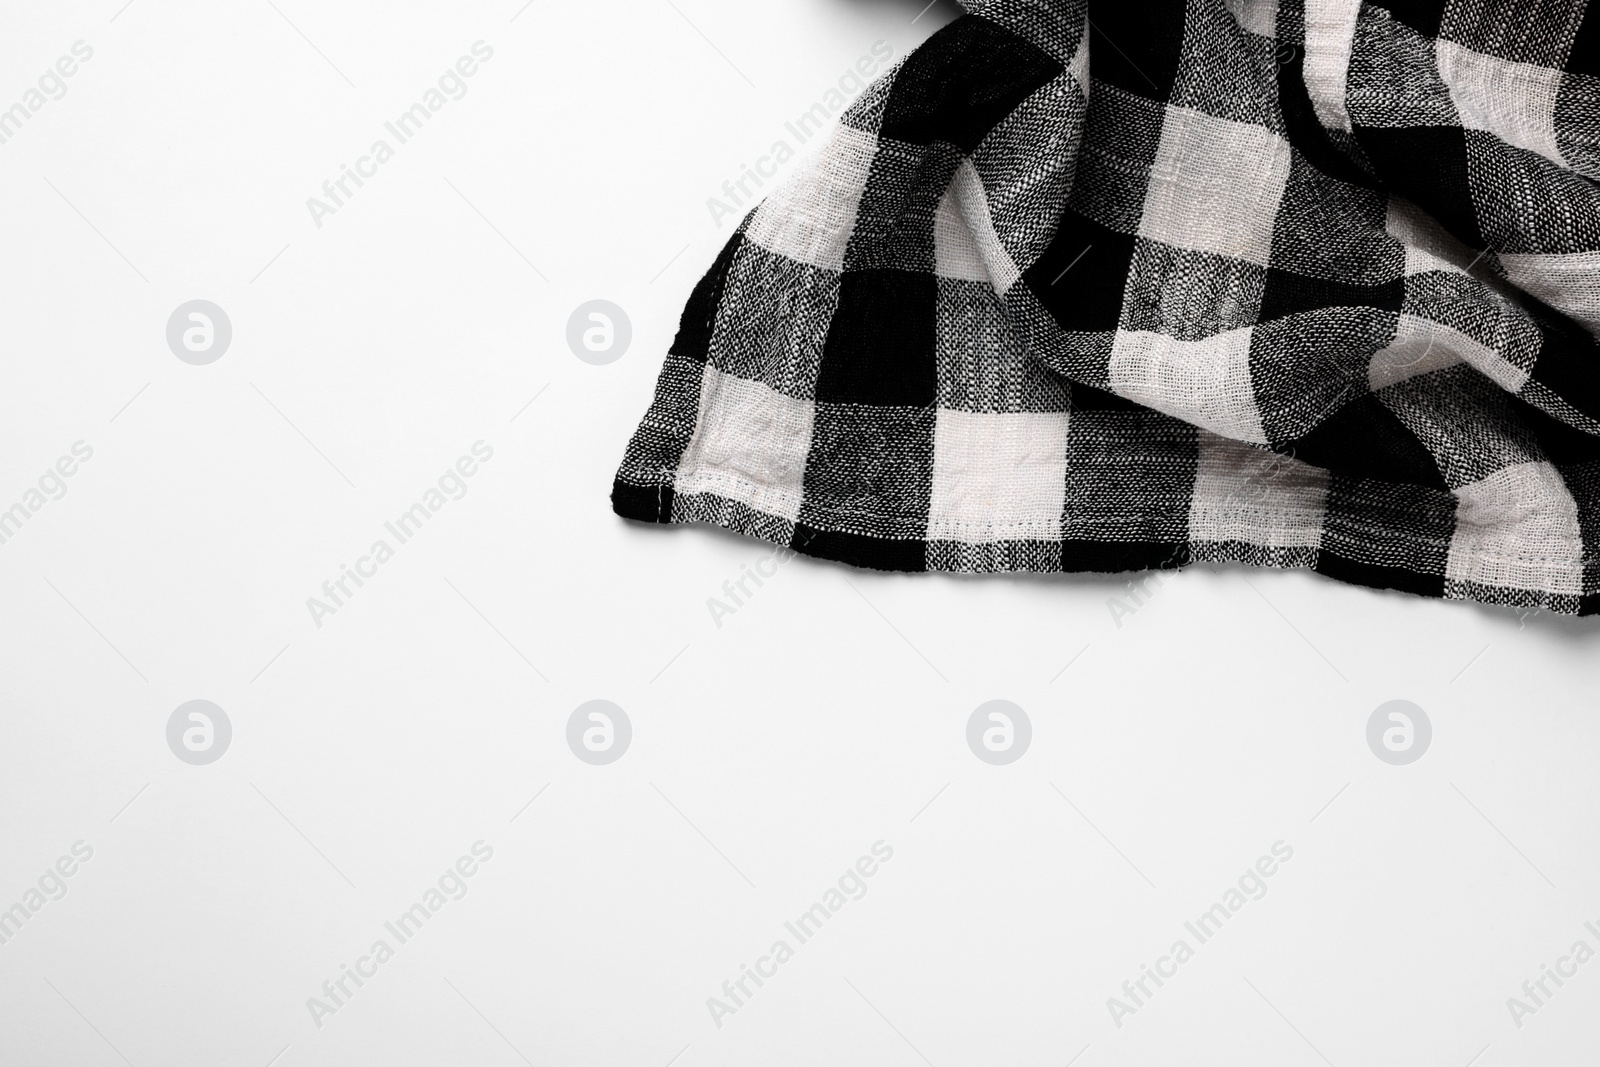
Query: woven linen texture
x: 1112, y: 286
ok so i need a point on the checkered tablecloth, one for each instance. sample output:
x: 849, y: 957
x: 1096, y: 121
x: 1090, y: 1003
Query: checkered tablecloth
x: 1111, y: 286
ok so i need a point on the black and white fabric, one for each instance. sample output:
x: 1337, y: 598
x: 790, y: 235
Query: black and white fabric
x: 1110, y: 286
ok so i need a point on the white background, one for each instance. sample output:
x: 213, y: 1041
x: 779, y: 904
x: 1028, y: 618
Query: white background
x: 769, y: 753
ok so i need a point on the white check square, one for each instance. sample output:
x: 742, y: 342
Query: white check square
x: 1216, y: 186
x: 998, y: 476
x: 750, y: 444
x: 810, y: 217
x: 1514, y: 101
